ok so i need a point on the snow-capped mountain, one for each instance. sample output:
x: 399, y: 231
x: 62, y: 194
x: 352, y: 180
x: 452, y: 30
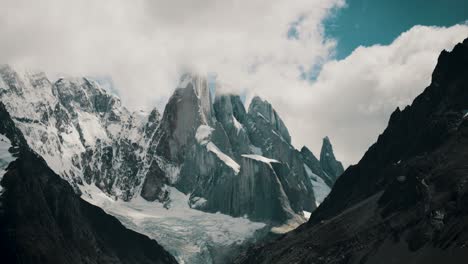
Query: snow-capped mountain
x: 81, y: 130
x: 221, y: 154
x: 202, y: 154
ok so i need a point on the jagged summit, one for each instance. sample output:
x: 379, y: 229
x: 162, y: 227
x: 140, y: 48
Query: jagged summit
x: 263, y: 109
x: 330, y: 165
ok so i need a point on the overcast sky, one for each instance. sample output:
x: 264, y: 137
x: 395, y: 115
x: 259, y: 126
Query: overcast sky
x: 279, y: 50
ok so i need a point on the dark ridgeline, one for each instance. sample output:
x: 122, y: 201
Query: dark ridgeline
x: 406, y: 201
x: 42, y: 220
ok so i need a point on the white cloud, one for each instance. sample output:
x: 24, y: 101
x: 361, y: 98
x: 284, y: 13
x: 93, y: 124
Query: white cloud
x: 352, y: 99
x: 145, y: 45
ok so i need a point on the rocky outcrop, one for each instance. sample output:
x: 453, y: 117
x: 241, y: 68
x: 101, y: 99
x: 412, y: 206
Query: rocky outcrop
x: 187, y: 109
x: 332, y: 168
x: 406, y: 200
x: 42, y: 220
x: 207, y: 142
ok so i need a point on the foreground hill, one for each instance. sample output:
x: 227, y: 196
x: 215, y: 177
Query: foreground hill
x: 406, y: 201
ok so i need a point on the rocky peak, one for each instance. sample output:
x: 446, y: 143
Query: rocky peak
x: 9, y: 80
x: 330, y: 165
x: 314, y: 164
x: 189, y: 107
x: 263, y: 109
x: 85, y: 94
x: 198, y: 84
x: 154, y: 119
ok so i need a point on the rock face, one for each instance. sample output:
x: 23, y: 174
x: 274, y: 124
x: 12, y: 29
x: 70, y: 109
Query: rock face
x: 235, y: 161
x: 330, y: 165
x: 406, y: 200
x: 42, y: 220
x: 199, y: 145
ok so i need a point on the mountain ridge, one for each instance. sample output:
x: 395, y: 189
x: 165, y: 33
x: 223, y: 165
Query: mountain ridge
x: 88, y: 137
x: 405, y: 201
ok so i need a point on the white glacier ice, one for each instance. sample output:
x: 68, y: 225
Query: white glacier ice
x: 321, y: 189
x: 5, y: 156
x: 188, y: 234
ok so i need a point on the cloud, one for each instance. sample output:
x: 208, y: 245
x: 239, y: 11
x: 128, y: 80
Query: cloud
x: 257, y: 47
x: 146, y: 44
x: 352, y: 99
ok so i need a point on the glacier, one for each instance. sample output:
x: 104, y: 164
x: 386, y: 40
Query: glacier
x: 192, y: 236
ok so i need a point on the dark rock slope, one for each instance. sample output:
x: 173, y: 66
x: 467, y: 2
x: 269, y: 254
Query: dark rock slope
x: 42, y: 220
x: 406, y: 201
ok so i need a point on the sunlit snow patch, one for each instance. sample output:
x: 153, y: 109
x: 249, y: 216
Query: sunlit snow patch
x: 259, y: 158
x: 321, y: 189
x: 188, y: 234
x: 203, y: 136
x: 5, y: 156
x: 237, y: 125
x: 306, y: 214
x: 223, y: 157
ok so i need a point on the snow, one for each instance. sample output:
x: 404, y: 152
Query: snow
x: 91, y: 128
x: 172, y: 170
x: 237, y: 125
x: 188, y: 234
x: 114, y: 129
x: 259, y: 158
x: 262, y: 117
x: 256, y: 150
x: 321, y: 189
x: 223, y: 157
x: 5, y: 156
x: 306, y: 214
x: 203, y: 134
x: 198, y: 202
x: 278, y: 135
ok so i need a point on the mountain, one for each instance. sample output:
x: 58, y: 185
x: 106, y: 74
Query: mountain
x: 81, y: 130
x: 406, y: 200
x: 330, y: 165
x: 230, y: 160
x: 205, y: 161
x: 42, y: 219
